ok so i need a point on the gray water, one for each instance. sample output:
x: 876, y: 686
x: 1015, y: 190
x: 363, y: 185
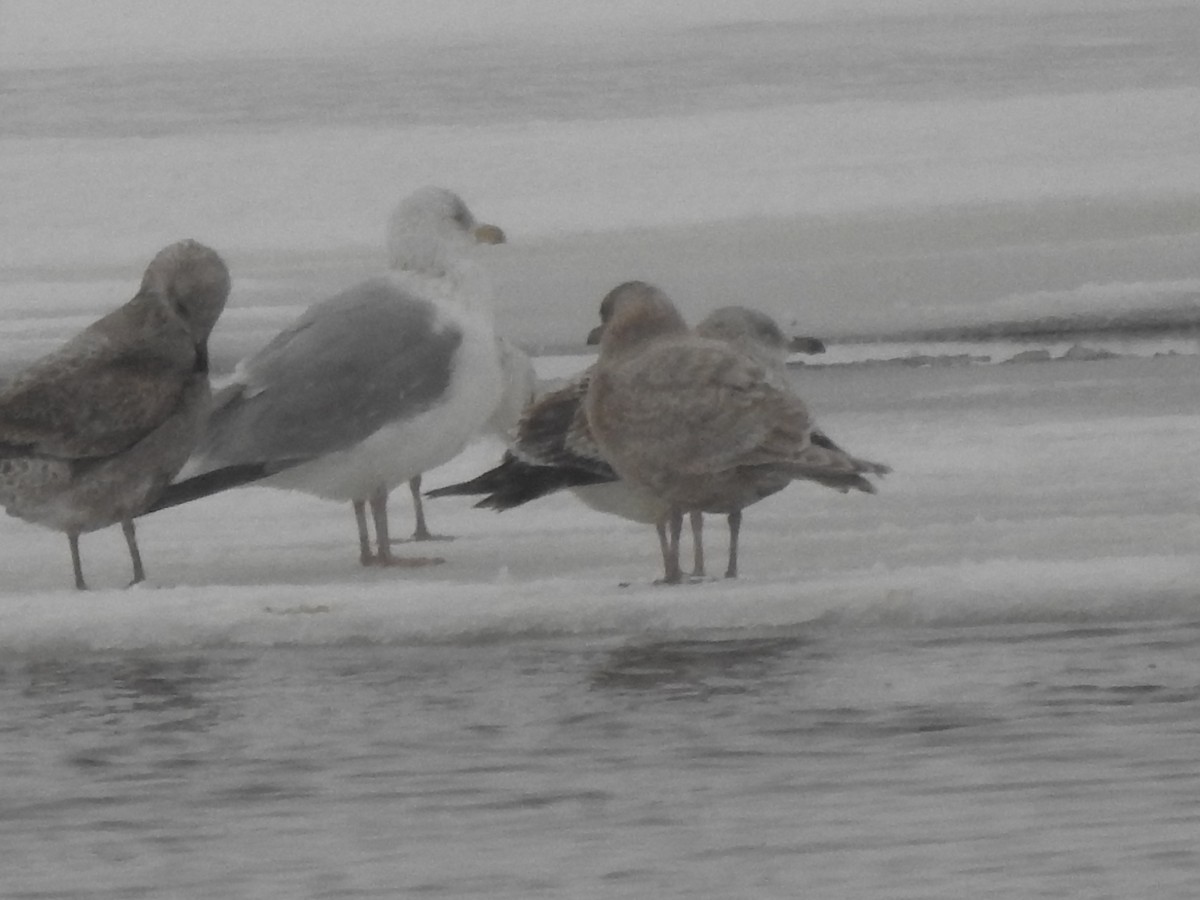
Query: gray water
x: 1023, y: 760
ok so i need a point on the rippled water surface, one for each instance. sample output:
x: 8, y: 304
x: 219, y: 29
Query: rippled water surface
x: 1005, y: 761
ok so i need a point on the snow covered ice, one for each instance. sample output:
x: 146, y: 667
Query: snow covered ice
x: 980, y: 681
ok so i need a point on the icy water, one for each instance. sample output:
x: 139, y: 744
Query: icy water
x: 1018, y: 760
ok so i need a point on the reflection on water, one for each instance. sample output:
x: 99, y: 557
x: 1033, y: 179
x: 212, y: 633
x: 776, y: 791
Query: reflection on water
x: 1011, y: 760
x: 694, y: 668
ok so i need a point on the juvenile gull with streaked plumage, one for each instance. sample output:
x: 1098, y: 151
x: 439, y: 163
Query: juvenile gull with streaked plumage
x: 541, y: 461
x: 698, y: 424
x: 371, y: 387
x: 92, y: 433
x: 547, y: 455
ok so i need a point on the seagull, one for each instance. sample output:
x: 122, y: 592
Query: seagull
x: 92, y: 433
x: 371, y: 387
x: 543, y: 460
x: 697, y: 423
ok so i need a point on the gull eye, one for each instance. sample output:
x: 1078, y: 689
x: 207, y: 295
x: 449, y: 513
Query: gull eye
x: 462, y: 216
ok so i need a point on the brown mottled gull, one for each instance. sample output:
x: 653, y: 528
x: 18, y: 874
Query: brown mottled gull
x: 542, y: 460
x: 368, y: 388
x: 92, y: 433
x: 696, y: 423
x: 758, y: 335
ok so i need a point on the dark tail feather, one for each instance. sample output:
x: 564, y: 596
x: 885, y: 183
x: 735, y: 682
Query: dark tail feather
x: 826, y: 463
x: 216, y: 481
x: 515, y: 482
x: 842, y: 482
x: 822, y: 440
x: 492, y: 480
x: 539, y: 481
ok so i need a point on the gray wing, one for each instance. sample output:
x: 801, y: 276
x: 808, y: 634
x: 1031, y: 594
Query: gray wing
x: 372, y: 355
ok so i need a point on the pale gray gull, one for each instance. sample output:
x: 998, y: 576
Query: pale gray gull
x: 371, y: 387
x: 698, y: 424
x: 92, y: 433
x: 542, y: 460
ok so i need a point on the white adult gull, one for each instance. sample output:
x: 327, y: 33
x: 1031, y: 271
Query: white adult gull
x: 92, y: 433
x: 371, y: 387
x: 698, y: 424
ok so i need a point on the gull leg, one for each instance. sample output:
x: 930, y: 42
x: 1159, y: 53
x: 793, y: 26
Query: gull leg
x: 671, y: 525
x: 378, y: 502
x: 735, y: 527
x: 365, y: 557
x: 421, y: 533
x: 76, y: 564
x: 697, y: 520
x: 675, y: 575
x: 135, y: 556
x: 660, y: 528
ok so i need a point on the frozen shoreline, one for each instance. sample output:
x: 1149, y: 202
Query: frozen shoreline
x: 845, y: 209
x: 1021, y: 494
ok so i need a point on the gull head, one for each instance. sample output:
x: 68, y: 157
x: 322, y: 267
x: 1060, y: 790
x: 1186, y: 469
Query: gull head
x: 632, y: 313
x: 431, y: 228
x: 751, y: 331
x: 193, y: 281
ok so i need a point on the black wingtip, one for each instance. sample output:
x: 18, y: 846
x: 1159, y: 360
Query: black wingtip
x: 216, y: 481
x: 480, y: 485
x: 515, y: 483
